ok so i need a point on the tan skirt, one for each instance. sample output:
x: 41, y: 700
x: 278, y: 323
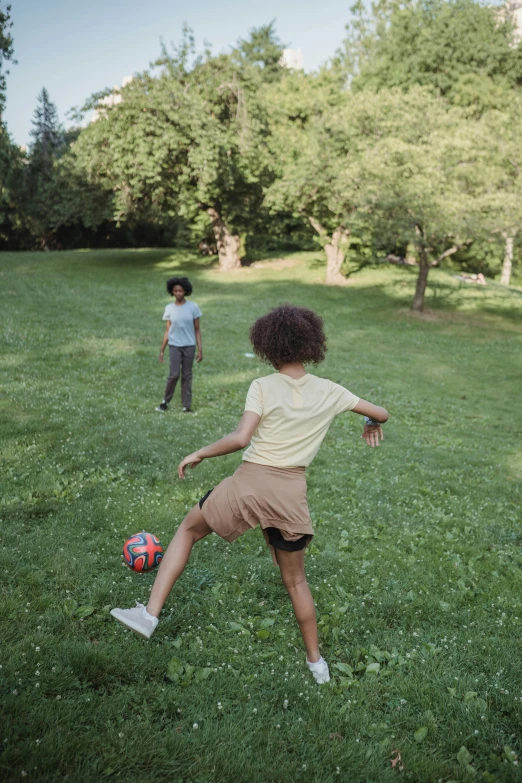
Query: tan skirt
x: 260, y: 495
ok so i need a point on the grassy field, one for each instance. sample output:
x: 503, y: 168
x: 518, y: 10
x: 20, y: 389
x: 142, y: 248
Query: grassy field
x: 415, y: 568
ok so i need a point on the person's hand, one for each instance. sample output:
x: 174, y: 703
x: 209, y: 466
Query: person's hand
x: 192, y: 460
x: 199, y: 357
x: 371, y: 434
x: 162, y: 360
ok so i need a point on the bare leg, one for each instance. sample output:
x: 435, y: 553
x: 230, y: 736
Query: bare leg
x: 192, y: 529
x: 294, y: 579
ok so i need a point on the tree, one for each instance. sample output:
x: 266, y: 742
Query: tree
x: 403, y: 167
x: 464, y: 51
x: 263, y: 51
x: 41, y: 173
x: 47, y: 134
x: 13, y: 228
x: 425, y: 173
x: 185, y: 142
x: 6, y: 50
x: 501, y: 199
x: 307, y: 153
x: 468, y: 54
x: 11, y: 158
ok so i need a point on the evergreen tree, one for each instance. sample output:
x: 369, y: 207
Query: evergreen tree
x: 47, y: 133
x: 41, y: 172
x: 262, y: 49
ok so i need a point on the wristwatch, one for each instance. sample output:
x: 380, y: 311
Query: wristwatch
x: 371, y: 422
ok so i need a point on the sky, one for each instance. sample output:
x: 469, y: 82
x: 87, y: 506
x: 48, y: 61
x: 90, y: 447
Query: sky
x: 77, y: 47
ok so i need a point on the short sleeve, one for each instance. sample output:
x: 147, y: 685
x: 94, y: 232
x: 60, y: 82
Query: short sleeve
x: 196, y: 312
x: 343, y: 400
x: 166, y: 314
x: 254, y: 399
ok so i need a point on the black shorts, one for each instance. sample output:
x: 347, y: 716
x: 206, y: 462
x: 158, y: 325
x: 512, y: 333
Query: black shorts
x: 276, y: 540
x: 275, y: 536
x: 205, y: 496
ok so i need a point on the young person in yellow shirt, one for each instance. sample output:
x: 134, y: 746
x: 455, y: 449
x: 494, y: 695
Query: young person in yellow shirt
x: 287, y: 415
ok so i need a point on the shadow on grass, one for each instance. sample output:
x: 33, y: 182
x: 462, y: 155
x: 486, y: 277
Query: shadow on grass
x: 379, y: 288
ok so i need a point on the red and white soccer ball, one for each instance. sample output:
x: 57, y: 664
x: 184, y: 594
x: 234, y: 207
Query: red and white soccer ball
x: 142, y: 552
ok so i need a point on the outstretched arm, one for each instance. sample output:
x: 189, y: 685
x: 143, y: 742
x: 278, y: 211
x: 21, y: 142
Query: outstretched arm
x: 235, y: 441
x: 372, y: 432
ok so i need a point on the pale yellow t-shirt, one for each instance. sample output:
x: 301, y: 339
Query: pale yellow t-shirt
x: 295, y: 416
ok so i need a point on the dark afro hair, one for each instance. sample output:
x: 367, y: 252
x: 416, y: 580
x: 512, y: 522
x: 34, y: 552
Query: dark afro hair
x: 184, y: 282
x: 289, y: 334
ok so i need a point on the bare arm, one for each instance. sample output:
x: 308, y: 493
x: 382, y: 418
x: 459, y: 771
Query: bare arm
x: 235, y: 441
x: 164, y: 342
x: 375, y: 412
x: 372, y: 432
x: 199, y: 355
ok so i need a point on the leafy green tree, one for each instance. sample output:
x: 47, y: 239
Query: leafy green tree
x: 468, y: 54
x: 425, y: 174
x: 500, y: 200
x: 306, y: 151
x: 6, y: 50
x: 461, y: 49
x: 185, y: 142
x: 13, y: 229
x: 10, y: 156
x: 402, y: 166
x: 53, y: 191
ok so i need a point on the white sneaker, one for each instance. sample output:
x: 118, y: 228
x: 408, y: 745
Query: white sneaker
x: 320, y: 670
x: 137, y: 619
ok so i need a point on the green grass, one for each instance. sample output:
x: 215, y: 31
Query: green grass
x: 416, y: 564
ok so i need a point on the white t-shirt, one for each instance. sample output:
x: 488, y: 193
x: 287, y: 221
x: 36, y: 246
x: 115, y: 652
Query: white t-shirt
x: 295, y: 416
x: 181, y: 319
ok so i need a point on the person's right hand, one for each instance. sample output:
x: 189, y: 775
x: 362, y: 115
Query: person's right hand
x: 371, y: 434
x: 162, y: 360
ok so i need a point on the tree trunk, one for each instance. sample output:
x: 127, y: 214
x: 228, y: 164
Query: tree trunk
x: 422, y: 280
x: 334, y: 253
x: 507, y: 264
x: 227, y: 243
x: 334, y: 259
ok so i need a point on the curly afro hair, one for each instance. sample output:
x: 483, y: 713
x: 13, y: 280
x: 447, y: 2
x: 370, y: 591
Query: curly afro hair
x: 289, y: 334
x: 184, y: 282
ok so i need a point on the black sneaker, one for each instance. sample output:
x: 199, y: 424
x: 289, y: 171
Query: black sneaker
x: 187, y: 410
x: 162, y: 407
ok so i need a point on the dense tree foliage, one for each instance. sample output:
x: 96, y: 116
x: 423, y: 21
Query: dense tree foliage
x: 405, y: 147
x: 13, y: 230
x: 10, y: 218
x: 462, y: 50
x: 311, y: 161
x: 186, y: 142
x: 6, y: 50
x: 41, y: 180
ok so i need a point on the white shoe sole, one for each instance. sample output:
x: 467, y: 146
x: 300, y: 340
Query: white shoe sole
x: 130, y: 624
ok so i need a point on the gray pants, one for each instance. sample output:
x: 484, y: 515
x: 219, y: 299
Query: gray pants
x: 181, y: 361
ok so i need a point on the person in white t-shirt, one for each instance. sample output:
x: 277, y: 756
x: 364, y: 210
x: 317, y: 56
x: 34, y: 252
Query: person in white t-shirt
x: 183, y: 334
x: 286, y: 417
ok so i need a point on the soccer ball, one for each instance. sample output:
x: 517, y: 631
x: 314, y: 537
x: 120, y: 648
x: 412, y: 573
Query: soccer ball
x: 142, y: 552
